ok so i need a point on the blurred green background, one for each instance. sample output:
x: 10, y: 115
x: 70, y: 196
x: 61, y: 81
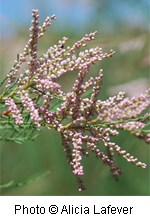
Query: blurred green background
x: 122, y: 26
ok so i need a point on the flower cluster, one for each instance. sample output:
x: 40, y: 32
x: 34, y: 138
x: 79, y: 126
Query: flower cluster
x: 29, y: 105
x: 14, y: 111
x: 34, y: 96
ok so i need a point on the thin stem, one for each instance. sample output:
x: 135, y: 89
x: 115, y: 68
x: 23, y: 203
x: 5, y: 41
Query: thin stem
x: 104, y: 124
x: 52, y: 95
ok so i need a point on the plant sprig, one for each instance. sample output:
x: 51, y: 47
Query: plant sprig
x: 34, y: 99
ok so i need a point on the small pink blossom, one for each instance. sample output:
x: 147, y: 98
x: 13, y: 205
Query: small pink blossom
x: 14, y: 110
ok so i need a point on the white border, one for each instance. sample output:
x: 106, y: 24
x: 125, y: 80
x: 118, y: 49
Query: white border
x: 138, y: 206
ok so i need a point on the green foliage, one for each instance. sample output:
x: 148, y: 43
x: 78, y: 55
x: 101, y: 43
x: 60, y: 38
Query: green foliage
x: 11, y: 184
x: 9, y: 131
